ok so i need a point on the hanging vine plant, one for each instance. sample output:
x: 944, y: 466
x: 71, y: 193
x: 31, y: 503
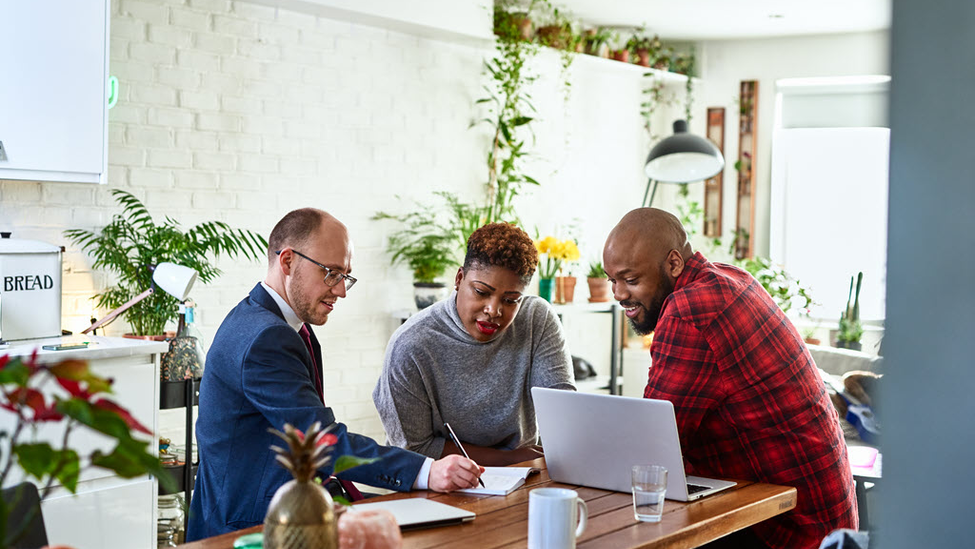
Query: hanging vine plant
x: 686, y: 65
x: 509, y: 115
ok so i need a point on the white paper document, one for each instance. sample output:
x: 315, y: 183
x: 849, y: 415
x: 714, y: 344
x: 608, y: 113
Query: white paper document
x: 501, y: 481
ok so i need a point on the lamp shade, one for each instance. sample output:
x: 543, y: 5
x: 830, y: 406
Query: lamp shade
x: 175, y: 280
x: 683, y: 157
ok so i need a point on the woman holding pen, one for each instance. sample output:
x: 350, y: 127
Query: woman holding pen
x: 472, y: 359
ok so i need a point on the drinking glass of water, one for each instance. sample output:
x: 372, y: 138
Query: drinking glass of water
x: 649, y: 484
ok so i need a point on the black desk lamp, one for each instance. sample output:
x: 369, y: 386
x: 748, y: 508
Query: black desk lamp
x: 681, y: 158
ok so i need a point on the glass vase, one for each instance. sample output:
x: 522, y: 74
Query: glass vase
x: 545, y: 289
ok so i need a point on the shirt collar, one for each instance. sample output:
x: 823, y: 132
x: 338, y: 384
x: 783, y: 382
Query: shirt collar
x: 692, y: 266
x: 289, y: 314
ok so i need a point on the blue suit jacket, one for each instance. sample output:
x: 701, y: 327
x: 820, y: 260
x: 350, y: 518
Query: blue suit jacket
x: 259, y: 375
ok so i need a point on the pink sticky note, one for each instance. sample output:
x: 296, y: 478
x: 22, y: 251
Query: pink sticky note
x: 862, y: 456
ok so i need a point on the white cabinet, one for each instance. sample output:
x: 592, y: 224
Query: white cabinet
x: 106, y: 512
x: 53, y: 80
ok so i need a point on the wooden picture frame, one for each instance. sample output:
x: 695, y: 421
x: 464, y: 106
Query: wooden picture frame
x: 713, y: 187
x: 747, y: 146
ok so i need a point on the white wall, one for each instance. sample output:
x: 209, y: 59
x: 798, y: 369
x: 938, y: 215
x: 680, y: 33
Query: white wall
x: 239, y: 112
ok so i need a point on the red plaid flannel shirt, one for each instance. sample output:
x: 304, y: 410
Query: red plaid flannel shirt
x: 750, y: 404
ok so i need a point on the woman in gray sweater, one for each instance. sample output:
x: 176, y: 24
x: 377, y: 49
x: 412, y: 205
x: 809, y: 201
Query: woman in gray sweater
x: 472, y: 359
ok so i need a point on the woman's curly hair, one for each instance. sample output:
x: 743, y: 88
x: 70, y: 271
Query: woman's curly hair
x: 502, y: 245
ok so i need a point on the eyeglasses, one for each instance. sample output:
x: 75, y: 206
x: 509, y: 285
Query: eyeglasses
x: 331, y: 277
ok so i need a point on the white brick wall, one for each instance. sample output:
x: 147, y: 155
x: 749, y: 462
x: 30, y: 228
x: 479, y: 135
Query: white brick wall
x: 237, y: 112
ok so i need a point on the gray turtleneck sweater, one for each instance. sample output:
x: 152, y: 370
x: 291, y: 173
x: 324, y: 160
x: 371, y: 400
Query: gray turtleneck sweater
x: 435, y: 372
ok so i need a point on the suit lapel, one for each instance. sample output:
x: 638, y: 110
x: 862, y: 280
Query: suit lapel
x: 260, y: 296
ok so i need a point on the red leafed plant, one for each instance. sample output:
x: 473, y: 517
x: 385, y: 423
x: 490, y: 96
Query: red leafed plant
x: 29, y: 391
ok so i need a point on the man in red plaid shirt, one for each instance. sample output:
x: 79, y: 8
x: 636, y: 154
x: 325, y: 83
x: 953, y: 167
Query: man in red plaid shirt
x: 750, y: 404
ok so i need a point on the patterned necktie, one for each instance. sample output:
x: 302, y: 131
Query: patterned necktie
x: 305, y: 333
x: 306, y: 337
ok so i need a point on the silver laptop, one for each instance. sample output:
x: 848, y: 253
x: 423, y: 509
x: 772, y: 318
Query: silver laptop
x: 593, y: 440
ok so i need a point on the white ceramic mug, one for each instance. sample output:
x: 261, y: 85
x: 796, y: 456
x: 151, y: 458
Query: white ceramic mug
x: 553, y: 514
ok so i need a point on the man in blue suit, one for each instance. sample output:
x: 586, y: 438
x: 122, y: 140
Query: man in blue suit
x: 264, y: 370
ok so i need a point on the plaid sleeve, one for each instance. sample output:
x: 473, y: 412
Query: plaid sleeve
x: 683, y: 371
x: 749, y: 402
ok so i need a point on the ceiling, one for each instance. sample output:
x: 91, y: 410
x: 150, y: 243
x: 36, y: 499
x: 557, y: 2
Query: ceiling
x: 729, y: 19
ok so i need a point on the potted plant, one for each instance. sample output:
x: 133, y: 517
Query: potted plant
x: 851, y: 329
x: 662, y: 61
x: 133, y: 244
x: 557, y: 33
x: 512, y: 24
x: 596, y: 41
x: 82, y: 407
x: 557, y: 252
x: 783, y: 287
x: 643, y: 48
x: 429, y: 247
x: 598, y: 283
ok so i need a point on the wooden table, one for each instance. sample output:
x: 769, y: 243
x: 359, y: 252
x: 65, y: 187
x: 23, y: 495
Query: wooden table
x: 503, y: 521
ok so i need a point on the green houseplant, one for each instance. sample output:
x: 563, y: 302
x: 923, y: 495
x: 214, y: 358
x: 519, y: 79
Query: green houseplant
x: 81, y: 406
x: 598, y: 283
x: 596, y: 41
x: 851, y: 329
x: 784, y: 289
x: 643, y: 48
x: 428, y: 246
x: 133, y: 244
x: 513, y: 21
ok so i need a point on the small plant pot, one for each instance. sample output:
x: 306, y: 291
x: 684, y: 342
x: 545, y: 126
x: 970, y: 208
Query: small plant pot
x: 598, y: 290
x: 428, y: 293
x: 553, y: 36
x: 524, y: 25
x: 812, y: 341
x: 643, y: 57
x: 622, y: 55
x: 158, y: 337
x: 565, y: 289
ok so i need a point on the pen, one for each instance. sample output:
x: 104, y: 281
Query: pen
x: 456, y: 440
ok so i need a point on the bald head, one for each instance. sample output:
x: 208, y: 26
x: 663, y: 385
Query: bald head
x: 297, y: 227
x: 644, y: 256
x: 654, y: 233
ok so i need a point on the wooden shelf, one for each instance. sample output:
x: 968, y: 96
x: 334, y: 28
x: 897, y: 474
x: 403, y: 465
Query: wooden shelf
x: 593, y: 62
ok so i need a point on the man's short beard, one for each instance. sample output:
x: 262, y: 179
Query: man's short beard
x: 645, y: 327
x: 651, y: 312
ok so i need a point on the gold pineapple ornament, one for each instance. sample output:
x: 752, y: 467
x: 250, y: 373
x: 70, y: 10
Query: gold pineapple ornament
x: 300, y: 515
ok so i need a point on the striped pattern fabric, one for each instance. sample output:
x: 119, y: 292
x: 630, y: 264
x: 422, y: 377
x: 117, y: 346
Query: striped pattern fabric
x: 749, y: 401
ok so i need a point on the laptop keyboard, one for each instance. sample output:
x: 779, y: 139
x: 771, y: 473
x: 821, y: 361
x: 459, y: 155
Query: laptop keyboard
x: 695, y: 488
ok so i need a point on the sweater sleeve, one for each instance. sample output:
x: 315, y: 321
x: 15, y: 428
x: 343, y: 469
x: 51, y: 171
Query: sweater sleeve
x: 404, y: 405
x: 551, y: 364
